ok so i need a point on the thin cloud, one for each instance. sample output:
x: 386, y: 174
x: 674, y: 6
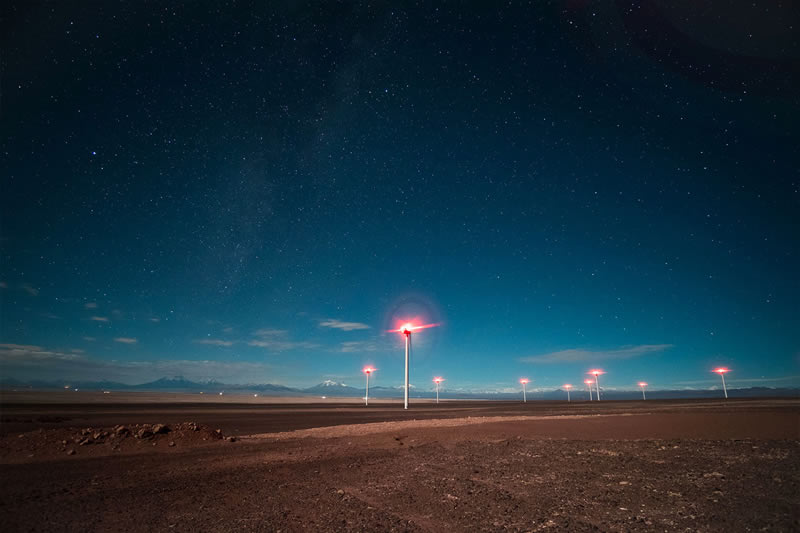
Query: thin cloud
x: 26, y: 353
x: 90, y: 305
x: 215, y: 342
x: 3, y: 285
x: 358, y: 346
x: 342, y: 325
x: 283, y: 345
x: 269, y: 332
x: 33, y: 291
x: 90, y: 339
x: 731, y: 380
x: 35, y: 362
x: 126, y: 340
x: 578, y: 355
x: 100, y: 318
x: 155, y: 319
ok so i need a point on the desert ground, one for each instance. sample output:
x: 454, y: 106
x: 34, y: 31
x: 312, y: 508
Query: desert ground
x: 139, y: 462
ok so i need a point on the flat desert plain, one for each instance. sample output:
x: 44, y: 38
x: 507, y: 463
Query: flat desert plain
x: 135, y: 462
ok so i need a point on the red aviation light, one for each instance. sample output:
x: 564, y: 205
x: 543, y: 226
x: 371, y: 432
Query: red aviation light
x: 408, y: 327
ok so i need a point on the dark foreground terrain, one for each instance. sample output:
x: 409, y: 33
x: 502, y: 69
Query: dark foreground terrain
x: 616, y: 466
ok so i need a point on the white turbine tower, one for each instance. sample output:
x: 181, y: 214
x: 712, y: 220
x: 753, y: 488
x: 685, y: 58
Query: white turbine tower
x: 368, y: 370
x: 596, y: 373
x: 524, y: 382
x: 437, y: 380
x: 721, y: 371
x: 406, y: 330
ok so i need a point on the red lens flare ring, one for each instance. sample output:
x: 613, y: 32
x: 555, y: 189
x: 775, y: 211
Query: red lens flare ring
x: 596, y: 372
x: 369, y: 370
x: 642, y: 384
x: 524, y: 381
x: 721, y: 370
x: 438, y: 380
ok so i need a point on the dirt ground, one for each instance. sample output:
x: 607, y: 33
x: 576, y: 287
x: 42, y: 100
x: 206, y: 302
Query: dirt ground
x: 620, y: 466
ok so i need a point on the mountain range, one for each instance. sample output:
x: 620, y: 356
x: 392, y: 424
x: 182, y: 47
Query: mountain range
x: 340, y: 390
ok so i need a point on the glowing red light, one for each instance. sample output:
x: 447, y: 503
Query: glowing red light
x: 438, y: 380
x: 596, y: 372
x: 524, y: 381
x: 369, y: 370
x: 588, y: 381
x: 642, y: 384
x: 721, y: 370
x: 408, y: 327
x: 567, y: 386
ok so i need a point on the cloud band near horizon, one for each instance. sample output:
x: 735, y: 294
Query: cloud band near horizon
x: 578, y: 355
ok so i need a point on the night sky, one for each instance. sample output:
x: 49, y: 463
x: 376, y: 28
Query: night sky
x: 256, y: 193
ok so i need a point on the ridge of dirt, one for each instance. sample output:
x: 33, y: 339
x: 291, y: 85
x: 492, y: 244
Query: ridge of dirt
x: 352, y: 430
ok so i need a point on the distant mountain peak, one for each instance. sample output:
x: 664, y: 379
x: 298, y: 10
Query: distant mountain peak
x: 330, y: 383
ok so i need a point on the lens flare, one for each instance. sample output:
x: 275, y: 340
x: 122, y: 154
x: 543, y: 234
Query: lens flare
x: 438, y: 380
x: 721, y: 370
x: 409, y: 327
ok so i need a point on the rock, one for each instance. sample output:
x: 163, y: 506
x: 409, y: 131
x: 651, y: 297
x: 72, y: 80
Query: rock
x: 121, y: 431
x: 144, y: 433
x: 340, y: 491
x: 85, y: 441
x: 161, y: 429
x: 171, y: 443
x: 231, y: 439
x: 64, y: 442
x: 70, y: 452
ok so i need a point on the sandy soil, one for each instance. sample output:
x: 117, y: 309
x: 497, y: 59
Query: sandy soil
x: 669, y: 466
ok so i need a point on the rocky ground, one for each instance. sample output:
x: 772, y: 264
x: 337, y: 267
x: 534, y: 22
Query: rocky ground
x: 575, y: 473
x: 49, y: 444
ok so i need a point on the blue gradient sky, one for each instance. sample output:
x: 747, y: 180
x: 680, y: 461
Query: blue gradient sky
x: 258, y: 194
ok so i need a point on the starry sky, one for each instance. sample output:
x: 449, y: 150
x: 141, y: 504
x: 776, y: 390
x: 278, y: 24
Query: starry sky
x: 255, y: 192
